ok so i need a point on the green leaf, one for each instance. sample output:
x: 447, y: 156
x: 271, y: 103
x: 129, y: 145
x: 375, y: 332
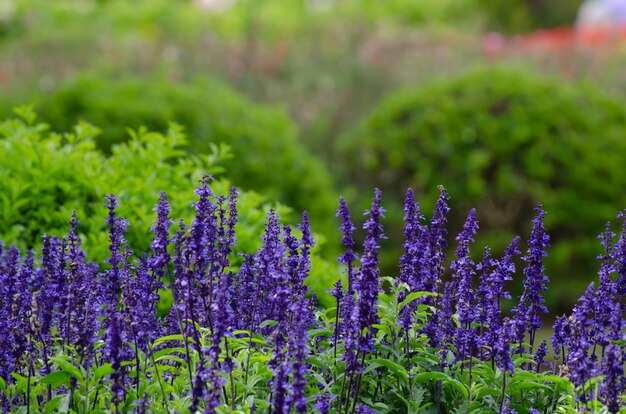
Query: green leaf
x: 396, y: 368
x: 414, y: 296
x: 168, y: 338
x: 53, y: 404
x: 69, y: 368
x: 57, y: 378
x: 102, y: 371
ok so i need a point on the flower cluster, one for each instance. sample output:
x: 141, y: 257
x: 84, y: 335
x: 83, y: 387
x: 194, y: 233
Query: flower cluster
x: 243, y: 332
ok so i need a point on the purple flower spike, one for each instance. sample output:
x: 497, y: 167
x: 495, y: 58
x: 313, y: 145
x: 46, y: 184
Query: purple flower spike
x: 111, y: 280
x: 503, y: 346
x: 368, y: 280
x: 323, y: 403
x: 413, y: 262
x: 620, y: 257
x: 160, y: 259
x: 540, y: 355
x: 613, y: 370
x: 349, y: 257
x: 535, y: 278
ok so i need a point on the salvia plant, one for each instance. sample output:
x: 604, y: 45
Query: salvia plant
x: 245, y: 335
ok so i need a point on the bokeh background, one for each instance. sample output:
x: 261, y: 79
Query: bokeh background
x: 506, y: 104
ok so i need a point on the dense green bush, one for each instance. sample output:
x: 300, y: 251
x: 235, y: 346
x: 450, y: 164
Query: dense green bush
x: 500, y: 141
x: 46, y: 175
x: 267, y: 157
x: 523, y: 15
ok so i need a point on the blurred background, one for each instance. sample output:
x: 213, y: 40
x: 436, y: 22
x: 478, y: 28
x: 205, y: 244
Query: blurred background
x: 506, y: 104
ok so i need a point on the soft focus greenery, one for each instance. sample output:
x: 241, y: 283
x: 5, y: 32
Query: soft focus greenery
x: 515, y: 16
x: 46, y: 175
x: 501, y: 141
x: 266, y: 156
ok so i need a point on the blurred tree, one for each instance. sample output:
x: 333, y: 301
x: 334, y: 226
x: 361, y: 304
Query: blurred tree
x: 515, y: 16
x: 501, y: 141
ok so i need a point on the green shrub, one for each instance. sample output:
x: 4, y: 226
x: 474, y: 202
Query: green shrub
x: 523, y: 15
x: 47, y: 175
x: 501, y: 141
x: 267, y: 157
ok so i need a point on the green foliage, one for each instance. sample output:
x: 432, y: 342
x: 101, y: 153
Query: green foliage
x: 46, y: 175
x: 266, y: 156
x: 501, y: 141
x: 523, y: 15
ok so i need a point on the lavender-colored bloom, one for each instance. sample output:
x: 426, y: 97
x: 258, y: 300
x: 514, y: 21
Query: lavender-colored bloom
x: 506, y: 408
x: 503, y: 346
x: 298, y: 352
x: 269, y: 267
x: 347, y: 309
x: 81, y: 323
x: 141, y: 405
x: 616, y: 323
x: 413, y: 262
x: 9, y: 322
x: 141, y: 297
x: 306, y: 244
x: 279, y: 384
x: 535, y: 278
x: 364, y: 409
x: 222, y: 316
x: 160, y: 258
x: 111, y: 280
x: 323, y: 403
x: 114, y: 354
x: 349, y: 257
x: 437, y: 253
x: 613, y: 371
x: 620, y: 257
x: 540, y: 355
x: 462, y: 272
x: 368, y: 280
x: 202, y: 249
x: 581, y: 364
x: 533, y: 411
x: 198, y: 389
x: 561, y: 337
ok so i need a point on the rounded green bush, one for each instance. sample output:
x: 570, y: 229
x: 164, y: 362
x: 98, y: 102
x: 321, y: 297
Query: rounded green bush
x: 266, y: 155
x: 500, y: 141
x: 517, y: 16
x: 47, y: 175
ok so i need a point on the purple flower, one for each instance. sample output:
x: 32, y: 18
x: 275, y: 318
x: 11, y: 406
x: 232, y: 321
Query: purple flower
x: 613, y: 371
x: 347, y: 306
x: 12, y: 338
x: 81, y: 325
x: 462, y: 272
x: 437, y: 253
x: 503, y: 346
x: 349, y: 257
x: 368, y: 278
x: 298, y: 351
x: 202, y: 249
x: 364, y: 409
x: 246, y: 301
x: 413, y: 262
x: 323, y: 403
x: 141, y: 297
x: 535, y: 278
x: 114, y: 353
x: 540, y: 354
x: 160, y: 258
x: 112, y: 279
x: 620, y: 257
